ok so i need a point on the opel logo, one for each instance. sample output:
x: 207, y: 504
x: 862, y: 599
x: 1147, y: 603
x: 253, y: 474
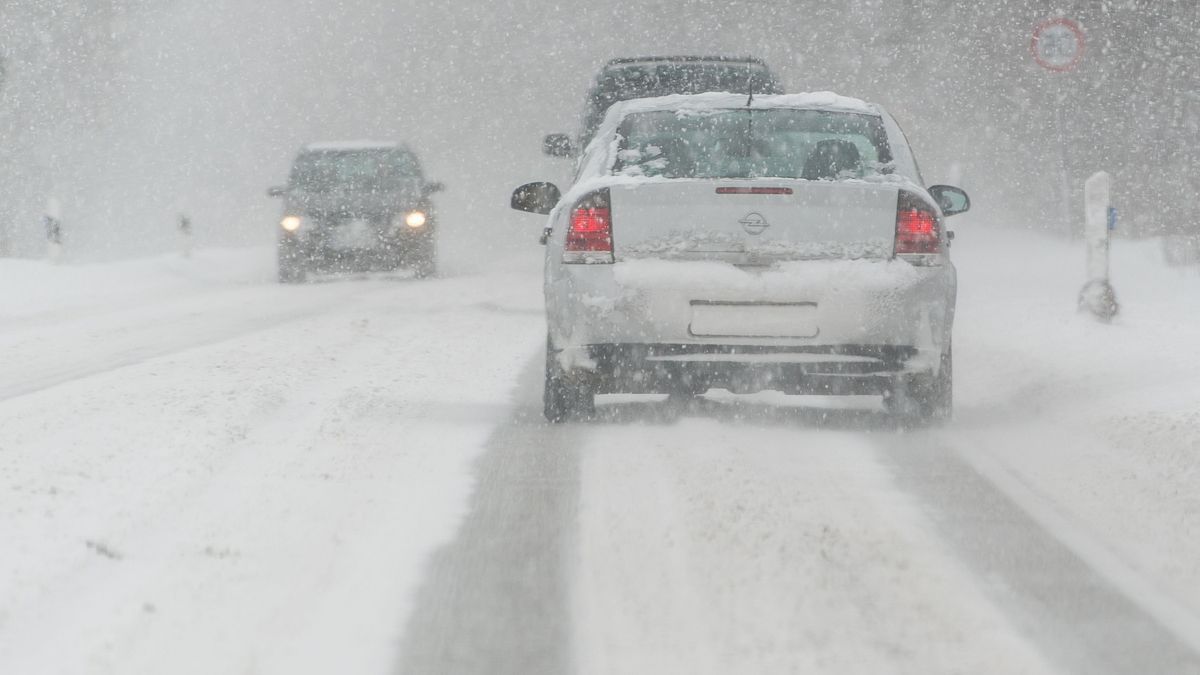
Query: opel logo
x: 754, y: 223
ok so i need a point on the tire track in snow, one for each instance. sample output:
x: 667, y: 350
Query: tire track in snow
x: 758, y: 538
x: 495, y: 601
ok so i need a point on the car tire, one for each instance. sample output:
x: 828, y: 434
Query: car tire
x: 937, y: 404
x: 391, y: 262
x: 291, y: 270
x: 925, y: 399
x: 564, y: 398
x: 426, y: 266
x: 426, y: 269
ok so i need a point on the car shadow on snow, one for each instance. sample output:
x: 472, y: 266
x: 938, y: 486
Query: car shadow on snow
x: 789, y: 411
x: 383, y: 277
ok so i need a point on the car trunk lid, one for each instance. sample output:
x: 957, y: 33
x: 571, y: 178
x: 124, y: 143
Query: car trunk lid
x: 755, y: 222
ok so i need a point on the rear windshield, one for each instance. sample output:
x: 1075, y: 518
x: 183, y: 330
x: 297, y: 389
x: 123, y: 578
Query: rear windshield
x: 385, y: 169
x: 746, y: 143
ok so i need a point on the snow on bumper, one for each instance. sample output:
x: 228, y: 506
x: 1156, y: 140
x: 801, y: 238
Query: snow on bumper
x: 818, y: 304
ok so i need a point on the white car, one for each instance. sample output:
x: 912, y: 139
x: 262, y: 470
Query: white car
x: 782, y: 242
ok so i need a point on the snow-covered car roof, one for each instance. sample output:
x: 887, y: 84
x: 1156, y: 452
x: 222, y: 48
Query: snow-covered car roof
x: 819, y: 100
x: 327, y: 146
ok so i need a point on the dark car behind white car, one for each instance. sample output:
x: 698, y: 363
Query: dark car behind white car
x: 356, y: 206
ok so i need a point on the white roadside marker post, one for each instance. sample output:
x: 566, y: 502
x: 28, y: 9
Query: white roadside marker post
x: 1097, y: 295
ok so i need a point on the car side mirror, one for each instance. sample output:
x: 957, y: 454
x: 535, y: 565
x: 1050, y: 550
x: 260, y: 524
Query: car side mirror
x: 558, y: 145
x: 276, y: 191
x: 432, y: 187
x: 952, y: 200
x: 536, y: 197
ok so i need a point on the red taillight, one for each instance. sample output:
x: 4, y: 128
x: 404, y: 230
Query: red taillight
x: 917, y: 227
x: 589, y: 236
x: 591, y: 229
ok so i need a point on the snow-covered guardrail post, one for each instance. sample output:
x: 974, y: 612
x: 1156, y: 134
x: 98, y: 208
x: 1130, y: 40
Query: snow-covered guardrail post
x: 1097, y: 295
x: 185, y: 236
x: 52, y: 222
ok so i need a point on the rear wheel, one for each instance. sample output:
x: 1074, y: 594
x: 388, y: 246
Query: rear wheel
x: 426, y: 269
x: 390, y: 261
x: 291, y: 269
x: 564, y: 398
x: 926, y: 398
x: 938, y: 403
x: 427, y: 261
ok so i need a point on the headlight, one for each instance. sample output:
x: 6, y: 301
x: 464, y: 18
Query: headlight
x: 290, y: 223
x: 415, y: 219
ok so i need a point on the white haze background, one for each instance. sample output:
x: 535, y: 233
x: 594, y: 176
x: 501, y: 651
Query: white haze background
x: 130, y: 111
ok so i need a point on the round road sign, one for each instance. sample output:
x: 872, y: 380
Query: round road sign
x: 1057, y: 44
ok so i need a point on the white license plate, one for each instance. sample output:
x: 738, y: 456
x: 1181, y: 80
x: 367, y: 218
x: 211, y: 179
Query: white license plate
x: 355, y: 234
x: 757, y: 319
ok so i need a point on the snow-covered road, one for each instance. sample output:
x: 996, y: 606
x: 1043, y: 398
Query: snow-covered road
x: 204, y: 472
x: 235, y: 476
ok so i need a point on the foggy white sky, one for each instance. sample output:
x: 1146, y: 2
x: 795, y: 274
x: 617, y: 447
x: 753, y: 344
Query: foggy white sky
x: 205, y: 103
x: 210, y: 100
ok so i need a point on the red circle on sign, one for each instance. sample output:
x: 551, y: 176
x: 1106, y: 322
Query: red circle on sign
x: 1048, y: 40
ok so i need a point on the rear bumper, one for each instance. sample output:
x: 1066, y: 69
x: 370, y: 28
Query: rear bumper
x: 389, y: 251
x: 665, y: 368
x: 849, y: 303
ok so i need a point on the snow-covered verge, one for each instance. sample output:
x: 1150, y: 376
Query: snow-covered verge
x: 236, y: 476
x: 1101, y: 422
x: 34, y: 288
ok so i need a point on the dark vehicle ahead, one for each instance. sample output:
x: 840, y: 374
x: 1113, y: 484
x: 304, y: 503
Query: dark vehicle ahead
x: 356, y: 207
x: 650, y: 76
